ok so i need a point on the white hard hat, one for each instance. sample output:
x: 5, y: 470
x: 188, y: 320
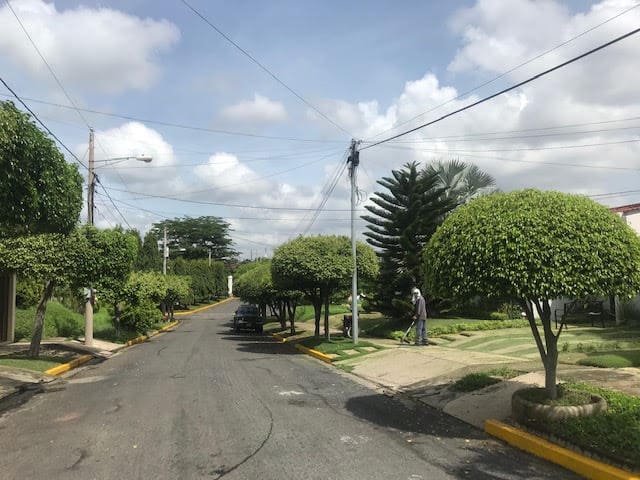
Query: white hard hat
x: 415, y: 291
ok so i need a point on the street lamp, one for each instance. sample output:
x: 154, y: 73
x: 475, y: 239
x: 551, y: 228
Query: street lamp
x: 92, y: 176
x: 89, y: 292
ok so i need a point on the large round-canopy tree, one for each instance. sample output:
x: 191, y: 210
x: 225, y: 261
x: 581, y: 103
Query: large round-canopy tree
x: 319, y: 265
x: 534, y: 246
x: 39, y: 191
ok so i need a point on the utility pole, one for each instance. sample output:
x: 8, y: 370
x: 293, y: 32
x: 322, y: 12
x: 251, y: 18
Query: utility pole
x: 165, y: 252
x: 354, y: 160
x: 91, y: 179
x: 89, y: 294
x: 209, y: 257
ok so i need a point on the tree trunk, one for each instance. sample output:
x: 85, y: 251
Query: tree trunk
x: 550, y: 369
x: 116, y: 319
x: 291, y: 309
x: 327, y: 334
x: 38, y: 327
x: 282, y: 314
x: 317, y: 310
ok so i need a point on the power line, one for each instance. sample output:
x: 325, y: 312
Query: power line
x: 222, y: 204
x: 484, y: 137
x: 42, y: 123
x: 112, y: 202
x: 535, y: 162
x: 523, y: 149
x: 508, y: 89
x: 180, y: 125
x: 53, y: 74
x: 265, y: 69
x: 464, y: 94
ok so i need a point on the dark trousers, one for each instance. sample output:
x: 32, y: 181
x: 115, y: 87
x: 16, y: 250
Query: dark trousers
x: 421, y: 331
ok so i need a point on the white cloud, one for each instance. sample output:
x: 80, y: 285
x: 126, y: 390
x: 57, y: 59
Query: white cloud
x: 98, y: 49
x: 124, y: 143
x: 260, y: 110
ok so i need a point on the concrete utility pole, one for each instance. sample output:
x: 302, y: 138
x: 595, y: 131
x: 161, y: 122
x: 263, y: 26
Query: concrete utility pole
x: 89, y: 296
x: 165, y: 252
x: 91, y: 179
x: 354, y: 160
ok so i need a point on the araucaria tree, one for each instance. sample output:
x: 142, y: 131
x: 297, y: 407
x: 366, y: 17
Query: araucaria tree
x: 318, y: 266
x: 534, y: 247
x: 402, y: 220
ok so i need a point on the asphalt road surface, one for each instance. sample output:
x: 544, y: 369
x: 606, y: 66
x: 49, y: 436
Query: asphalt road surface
x: 202, y: 402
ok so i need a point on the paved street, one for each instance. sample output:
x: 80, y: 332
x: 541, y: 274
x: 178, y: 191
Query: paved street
x: 202, y: 402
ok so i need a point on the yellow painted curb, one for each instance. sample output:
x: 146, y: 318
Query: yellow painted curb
x: 278, y: 337
x: 139, y: 339
x: 314, y: 353
x: 189, y: 312
x: 65, y: 367
x: 167, y: 327
x: 585, y: 466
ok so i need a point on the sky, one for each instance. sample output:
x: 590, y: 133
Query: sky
x: 259, y: 142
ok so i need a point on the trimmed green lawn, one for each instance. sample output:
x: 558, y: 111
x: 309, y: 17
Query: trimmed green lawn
x: 304, y: 313
x: 41, y: 364
x: 339, y: 346
x: 614, y: 434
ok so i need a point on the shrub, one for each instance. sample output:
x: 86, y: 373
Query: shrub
x: 474, y: 381
x: 59, y: 321
x: 28, y: 292
x: 140, y: 318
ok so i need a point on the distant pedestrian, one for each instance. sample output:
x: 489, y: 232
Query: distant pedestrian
x: 420, y: 316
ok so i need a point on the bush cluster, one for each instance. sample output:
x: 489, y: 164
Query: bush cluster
x: 59, y: 322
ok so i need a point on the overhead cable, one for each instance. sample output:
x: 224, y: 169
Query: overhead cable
x: 265, y: 69
x: 488, y: 82
x: 508, y: 89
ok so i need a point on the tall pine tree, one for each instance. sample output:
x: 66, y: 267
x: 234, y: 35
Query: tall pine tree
x: 402, y: 220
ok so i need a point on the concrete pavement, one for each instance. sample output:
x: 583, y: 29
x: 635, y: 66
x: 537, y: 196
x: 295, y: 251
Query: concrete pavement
x: 425, y: 373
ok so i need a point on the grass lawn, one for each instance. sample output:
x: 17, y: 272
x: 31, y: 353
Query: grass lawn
x: 341, y: 346
x: 614, y: 434
x: 49, y: 357
x: 304, y: 313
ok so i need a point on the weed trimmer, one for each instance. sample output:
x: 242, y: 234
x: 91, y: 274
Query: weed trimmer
x: 406, y: 334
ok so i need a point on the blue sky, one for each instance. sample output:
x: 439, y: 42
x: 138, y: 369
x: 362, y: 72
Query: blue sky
x: 366, y: 65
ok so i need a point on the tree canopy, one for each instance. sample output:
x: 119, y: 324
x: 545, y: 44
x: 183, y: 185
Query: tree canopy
x: 462, y: 181
x: 318, y: 265
x: 534, y: 246
x: 194, y: 238
x: 402, y: 220
x: 39, y: 192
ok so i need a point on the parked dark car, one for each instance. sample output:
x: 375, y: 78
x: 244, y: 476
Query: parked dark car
x: 247, y: 317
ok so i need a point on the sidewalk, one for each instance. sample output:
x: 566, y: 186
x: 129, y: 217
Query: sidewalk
x: 424, y: 373
x: 15, y: 381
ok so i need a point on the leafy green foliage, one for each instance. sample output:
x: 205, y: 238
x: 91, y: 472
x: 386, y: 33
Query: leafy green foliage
x: 614, y: 434
x: 149, y: 257
x: 534, y: 246
x: 319, y: 265
x: 402, y: 220
x: 462, y: 181
x: 208, y: 282
x: 40, y: 192
x: 308, y: 263
x: 473, y: 381
x: 59, y: 322
x: 141, y: 317
x: 193, y: 238
x: 28, y: 292
x: 531, y: 244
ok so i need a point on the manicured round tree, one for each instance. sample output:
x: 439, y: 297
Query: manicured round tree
x: 319, y: 265
x: 534, y: 246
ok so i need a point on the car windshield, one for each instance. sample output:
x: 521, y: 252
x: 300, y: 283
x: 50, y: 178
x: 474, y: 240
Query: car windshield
x: 248, y: 310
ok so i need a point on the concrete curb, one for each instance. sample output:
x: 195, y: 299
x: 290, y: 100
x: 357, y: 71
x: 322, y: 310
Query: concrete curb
x: 278, y: 337
x: 143, y: 338
x: 587, y: 467
x: 189, y: 312
x: 65, y: 367
x: 314, y: 353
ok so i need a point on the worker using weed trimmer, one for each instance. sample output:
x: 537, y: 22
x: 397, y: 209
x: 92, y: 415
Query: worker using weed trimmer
x: 420, y: 316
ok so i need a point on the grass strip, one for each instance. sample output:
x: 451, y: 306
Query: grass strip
x: 614, y: 434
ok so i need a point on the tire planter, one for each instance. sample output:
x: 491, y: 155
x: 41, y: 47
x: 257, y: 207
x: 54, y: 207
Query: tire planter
x: 524, y: 410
